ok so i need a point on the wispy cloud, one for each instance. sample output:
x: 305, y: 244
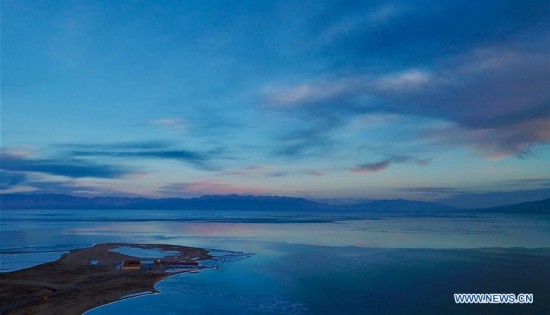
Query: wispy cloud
x: 346, y: 90
x: 146, y: 150
x: 497, y: 94
x: 382, y: 165
x: 370, y: 19
x: 428, y: 190
x: 183, y: 155
x: 335, y: 88
x: 371, y: 167
x: 517, y: 139
x: 74, y: 168
x: 406, y: 81
x: 44, y: 184
x: 433, y: 62
x: 173, y: 123
x: 270, y: 171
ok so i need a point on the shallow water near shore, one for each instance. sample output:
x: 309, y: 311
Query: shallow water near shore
x: 331, y: 263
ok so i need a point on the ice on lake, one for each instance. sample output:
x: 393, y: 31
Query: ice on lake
x: 144, y: 252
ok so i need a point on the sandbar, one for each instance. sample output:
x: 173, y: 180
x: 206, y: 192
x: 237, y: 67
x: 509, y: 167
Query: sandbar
x: 87, y: 278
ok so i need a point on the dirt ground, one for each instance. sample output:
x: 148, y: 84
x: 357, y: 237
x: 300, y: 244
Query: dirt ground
x: 72, y: 285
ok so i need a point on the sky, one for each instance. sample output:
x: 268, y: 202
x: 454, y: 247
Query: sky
x: 338, y: 101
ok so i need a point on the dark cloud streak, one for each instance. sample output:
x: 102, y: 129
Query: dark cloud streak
x: 371, y: 167
x: 74, y: 168
x: 382, y: 165
x: 148, y: 149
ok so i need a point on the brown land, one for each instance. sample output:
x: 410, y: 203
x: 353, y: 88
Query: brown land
x: 72, y: 285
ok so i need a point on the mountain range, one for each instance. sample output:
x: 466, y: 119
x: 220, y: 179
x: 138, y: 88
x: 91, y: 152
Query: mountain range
x: 239, y: 202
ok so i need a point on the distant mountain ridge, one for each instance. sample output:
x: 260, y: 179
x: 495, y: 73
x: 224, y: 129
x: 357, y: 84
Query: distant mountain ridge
x: 209, y: 202
x: 240, y: 202
x: 539, y: 206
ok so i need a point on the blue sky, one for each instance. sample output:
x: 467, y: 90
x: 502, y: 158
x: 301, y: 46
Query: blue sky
x: 329, y: 100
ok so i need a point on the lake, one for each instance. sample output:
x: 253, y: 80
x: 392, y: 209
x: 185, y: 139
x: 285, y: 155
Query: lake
x: 302, y: 263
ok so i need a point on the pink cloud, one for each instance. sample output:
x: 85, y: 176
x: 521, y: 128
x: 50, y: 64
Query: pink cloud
x: 173, y: 123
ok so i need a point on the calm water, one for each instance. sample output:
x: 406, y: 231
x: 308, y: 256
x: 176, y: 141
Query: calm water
x: 329, y: 263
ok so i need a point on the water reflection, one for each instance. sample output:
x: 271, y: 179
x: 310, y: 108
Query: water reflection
x: 354, y: 262
x: 305, y: 279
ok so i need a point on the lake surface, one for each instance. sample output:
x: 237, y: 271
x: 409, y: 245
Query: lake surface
x: 327, y: 263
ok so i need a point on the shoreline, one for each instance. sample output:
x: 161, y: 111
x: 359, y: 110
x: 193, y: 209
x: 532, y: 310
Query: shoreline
x: 142, y: 294
x: 120, y: 300
x: 152, y: 292
x: 72, y: 284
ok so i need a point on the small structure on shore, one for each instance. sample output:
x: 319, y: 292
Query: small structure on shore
x: 131, y: 265
x: 149, y: 265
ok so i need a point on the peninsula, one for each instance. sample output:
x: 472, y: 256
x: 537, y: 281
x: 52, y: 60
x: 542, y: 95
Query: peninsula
x: 90, y: 277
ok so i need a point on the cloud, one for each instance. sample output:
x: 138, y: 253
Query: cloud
x: 209, y: 187
x: 382, y: 165
x: 347, y: 90
x: 311, y: 93
x: 371, y: 18
x: 371, y: 167
x: 405, y: 81
x: 74, y: 168
x: 516, y: 139
x: 153, y: 150
x: 269, y: 171
x: 173, y: 123
x: 408, y: 159
x: 45, y: 181
x: 69, y: 187
x: 72, y: 186
x: 429, y: 190
x: 493, y: 87
x: 497, y: 93
x: 416, y: 33
x: 481, y: 66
